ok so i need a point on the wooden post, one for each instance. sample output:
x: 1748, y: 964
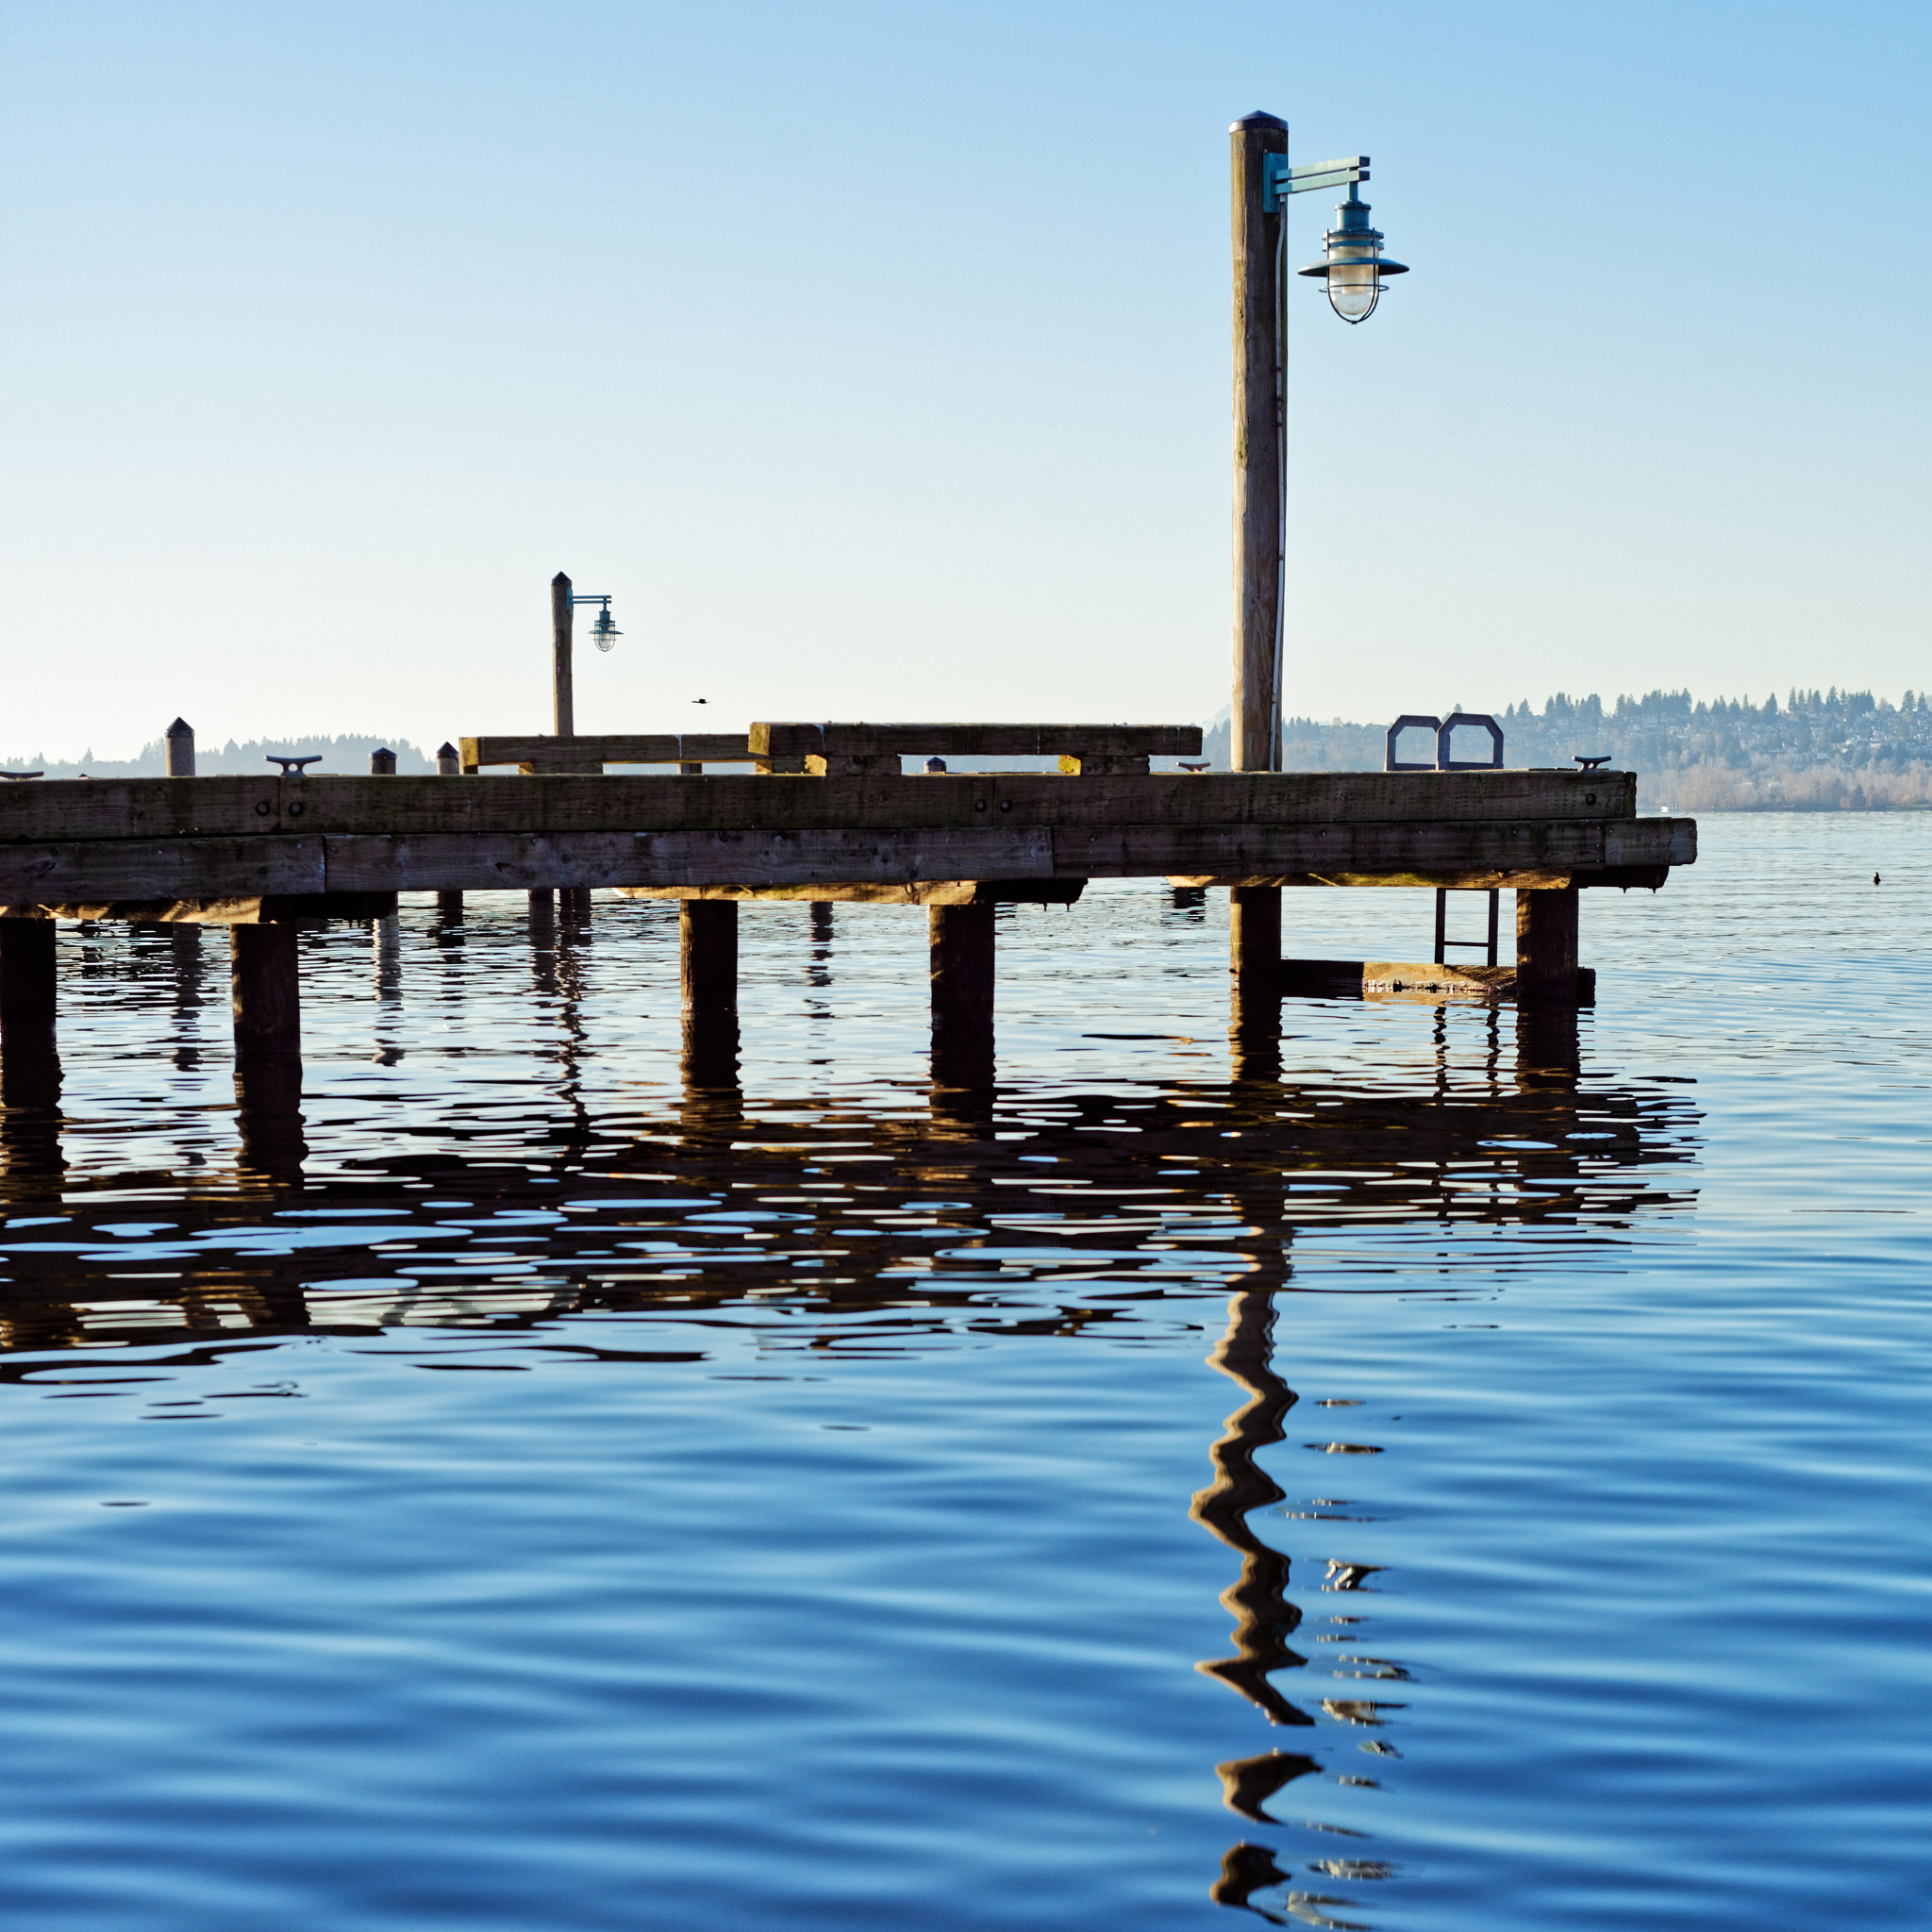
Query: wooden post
x: 1254, y: 730
x: 707, y: 975
x: 180, y: 742
x: 27, y: 985
x: 1253, y: 935
x: 961, y: 941
x: 1546, y: 944
x: 382, y: 764
x: 266, y: 993
x: 576, y: 905
x: 449, y: 764
x: 564, y: 709
x: 1254, y: 723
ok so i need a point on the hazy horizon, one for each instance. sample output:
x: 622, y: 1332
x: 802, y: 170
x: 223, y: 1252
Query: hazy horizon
x: 877, y: 363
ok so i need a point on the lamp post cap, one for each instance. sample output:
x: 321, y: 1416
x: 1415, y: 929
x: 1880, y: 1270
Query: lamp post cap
x: 1258, y: 120
x: 563, y: 576
x: 179, y: 728
x: 445, y: 750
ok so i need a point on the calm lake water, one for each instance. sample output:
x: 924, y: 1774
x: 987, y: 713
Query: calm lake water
x: 1406, y: 1493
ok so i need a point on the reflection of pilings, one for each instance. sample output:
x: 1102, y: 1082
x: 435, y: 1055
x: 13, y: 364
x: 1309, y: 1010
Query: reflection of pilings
x: 386, y: 948
x: 543, y: 940
x: 1548, y: 1052
x: 30, y: 1114
x: 1258, y: 1600
x: 188, y: 965
x: 268, y: 1114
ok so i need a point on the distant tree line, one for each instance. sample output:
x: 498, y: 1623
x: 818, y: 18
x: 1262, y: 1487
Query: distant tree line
x: 1818, y: 751
x: 339, y: 755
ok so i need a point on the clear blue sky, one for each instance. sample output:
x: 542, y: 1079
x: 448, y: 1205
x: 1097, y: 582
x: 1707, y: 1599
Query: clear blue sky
x: 876, y: 359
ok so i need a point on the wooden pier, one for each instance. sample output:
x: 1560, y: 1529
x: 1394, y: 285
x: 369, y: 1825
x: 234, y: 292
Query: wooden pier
x: 827, y: 813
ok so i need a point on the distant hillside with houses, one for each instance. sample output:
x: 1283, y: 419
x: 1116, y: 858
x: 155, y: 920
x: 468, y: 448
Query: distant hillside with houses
x: 1814, y: 751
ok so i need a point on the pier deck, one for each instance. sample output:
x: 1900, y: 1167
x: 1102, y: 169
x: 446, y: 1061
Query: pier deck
x: 286, y: 851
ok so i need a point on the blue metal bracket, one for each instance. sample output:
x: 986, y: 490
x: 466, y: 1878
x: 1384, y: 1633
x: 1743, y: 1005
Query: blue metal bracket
x: 1279, y: 178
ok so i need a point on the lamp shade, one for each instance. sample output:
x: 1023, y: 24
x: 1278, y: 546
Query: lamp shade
x: 604, y: 633
x: 1352, y: 263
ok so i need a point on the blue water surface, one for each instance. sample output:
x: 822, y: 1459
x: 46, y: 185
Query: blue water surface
x: 1422, y: 1489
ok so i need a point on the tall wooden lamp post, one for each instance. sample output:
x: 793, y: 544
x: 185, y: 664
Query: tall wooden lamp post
x: 1352, y: 268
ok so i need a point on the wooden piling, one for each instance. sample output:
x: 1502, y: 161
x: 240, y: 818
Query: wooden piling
x: 707, y: 977
x: 1546, y: 944
x: 564, y: 701
x: 382, y: 764
x: 181, y: 743
x: 27, y: 985
x: 266, y: 993
x: 961, y: 943
x: 1255, y: 732
x: 449, y: 764
x: 1254, y: 946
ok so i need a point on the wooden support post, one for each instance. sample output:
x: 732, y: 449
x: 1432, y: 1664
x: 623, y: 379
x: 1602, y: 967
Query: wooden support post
x: 962, y: 940
x: 180, y: 742
x: 1255, y: 732
x: 690, y: 767
x: 382, y: 764
x: 1253, y: 945
x: 1254, y: 729
x: 707, y: 977
x: 564, y: 702
x: 267, y: 993
x: 449, y: 764
x: 1546, y: 944
x: 576, y: 903
x: 28, y: 983
x: 1441, y: 952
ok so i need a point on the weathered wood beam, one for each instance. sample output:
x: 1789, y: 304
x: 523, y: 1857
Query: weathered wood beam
x: 607, y: 748
x: 55, y: 810
x: 921, y: 893
x: 1458, y: 881
x: 1408, y: 979
x: 974, y: 740
x: 994, y: 849
x: 508, y: 861
x: 304, y: 911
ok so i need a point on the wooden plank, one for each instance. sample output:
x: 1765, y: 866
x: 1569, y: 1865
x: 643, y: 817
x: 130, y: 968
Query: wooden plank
x: 607, y: 748
x: 108, y: 869
x: 1260, y: 852
x: 220, y: 807
x: 303, y: 909
x: 846, y: 891
x: 520, y: 861
x: 974, y: 740
x: 919, y: 892
x: 1456, y: 882
x: 1411, y: 979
